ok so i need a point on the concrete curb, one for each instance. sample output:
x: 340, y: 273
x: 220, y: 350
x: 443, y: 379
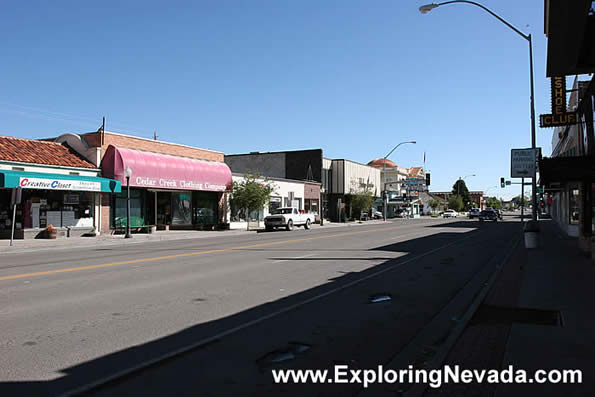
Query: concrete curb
x: 417, y: 390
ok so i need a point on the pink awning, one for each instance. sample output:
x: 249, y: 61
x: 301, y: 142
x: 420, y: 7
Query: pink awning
x: 162, y: 171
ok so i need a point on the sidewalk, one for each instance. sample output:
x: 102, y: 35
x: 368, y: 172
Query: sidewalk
x: 558, y: 277
x: 555, y: 282
x: 118, y: 239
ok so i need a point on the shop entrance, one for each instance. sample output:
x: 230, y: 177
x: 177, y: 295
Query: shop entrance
x: 174, y: 209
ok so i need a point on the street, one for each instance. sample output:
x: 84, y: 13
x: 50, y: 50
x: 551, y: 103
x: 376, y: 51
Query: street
x: 207, y: 313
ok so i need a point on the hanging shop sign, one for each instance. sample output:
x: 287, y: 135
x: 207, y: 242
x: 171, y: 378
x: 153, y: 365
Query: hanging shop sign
x: 559, y: 116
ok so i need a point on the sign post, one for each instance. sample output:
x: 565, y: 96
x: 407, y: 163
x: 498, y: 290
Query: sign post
x: 15, y: 199
x: 522, y: 200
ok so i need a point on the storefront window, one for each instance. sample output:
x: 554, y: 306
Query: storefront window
x: 181, y: 209
x: 136, y: 208
x: 274, y: 203
x: 574, y: 208
x: 311, y: 205
x: 205, y: 208
x: 237, y: 214
x: 5, y: 210
x: 40, y: 208
x: 163, y: 208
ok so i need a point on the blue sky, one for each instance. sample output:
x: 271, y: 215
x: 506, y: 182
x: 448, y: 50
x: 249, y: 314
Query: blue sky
x: 354, y: 77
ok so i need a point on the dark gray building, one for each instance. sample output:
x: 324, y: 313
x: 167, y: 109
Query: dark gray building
x: 338, y: 178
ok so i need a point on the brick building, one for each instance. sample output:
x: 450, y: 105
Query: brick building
x: 172, y: 185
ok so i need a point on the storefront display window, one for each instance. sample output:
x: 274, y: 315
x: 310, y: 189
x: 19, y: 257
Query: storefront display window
x: 5, y: 210
x: 181, y: 209
x: 39, y: 209
x: 237, y: 214
x: 311, y: 205
x: 274, y: 203
x: 205, y: 208
x: 137, y: 211
x: 574, y: 206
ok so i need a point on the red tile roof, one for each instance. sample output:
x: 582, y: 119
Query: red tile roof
x: 415, y: 171
x: 40, y: 152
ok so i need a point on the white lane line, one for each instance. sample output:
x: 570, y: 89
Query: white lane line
x: 130, y: 370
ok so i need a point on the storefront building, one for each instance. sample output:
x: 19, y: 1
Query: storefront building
x: 564, y: 195
x: 167, y: 191
x: 568, y: 175
x: 172, y: 186
x: 58, y: 188
x: 306, y: 167
x: 302, y: 195
x: 349, y: 178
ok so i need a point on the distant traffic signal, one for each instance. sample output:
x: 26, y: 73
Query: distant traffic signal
x: 427, y: 179
x: 502, y: 183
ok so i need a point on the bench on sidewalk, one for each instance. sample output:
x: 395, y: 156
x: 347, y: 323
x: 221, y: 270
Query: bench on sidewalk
x: 137, y: 225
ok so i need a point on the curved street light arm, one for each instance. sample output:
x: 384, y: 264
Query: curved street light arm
x: 384, y: 195
x: 429, y: 7
x: 526, y: 37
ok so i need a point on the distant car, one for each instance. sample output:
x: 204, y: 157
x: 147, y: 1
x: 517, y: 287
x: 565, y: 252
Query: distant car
x: 377, y: 215
x: 488, y: 215
x: 473, y: 213
x: 449, y: 214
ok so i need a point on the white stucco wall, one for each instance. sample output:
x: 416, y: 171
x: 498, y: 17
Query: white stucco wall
x: 282, y: 188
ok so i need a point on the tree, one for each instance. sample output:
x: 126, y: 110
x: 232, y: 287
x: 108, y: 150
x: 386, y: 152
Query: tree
x: 460, y: 189
x: 252, y: 193
x: 434, y: 204
x: 361, y: 201
x: 494, y: 203
x: 518, y: 201
x: 455, y: 202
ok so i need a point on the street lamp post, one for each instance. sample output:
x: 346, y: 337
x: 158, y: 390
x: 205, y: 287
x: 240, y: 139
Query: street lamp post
x: 459, y: 184
x: 384, y: 192
x: 429, y: 7
x: 128, y: 174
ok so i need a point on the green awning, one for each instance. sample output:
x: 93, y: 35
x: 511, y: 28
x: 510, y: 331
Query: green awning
x: 38, y: 180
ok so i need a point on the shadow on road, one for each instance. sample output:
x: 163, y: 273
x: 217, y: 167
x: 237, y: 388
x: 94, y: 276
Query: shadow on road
x: 110, y: 364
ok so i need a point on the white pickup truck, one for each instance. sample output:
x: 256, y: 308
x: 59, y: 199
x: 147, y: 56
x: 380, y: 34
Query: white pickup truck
x: 288, y: 217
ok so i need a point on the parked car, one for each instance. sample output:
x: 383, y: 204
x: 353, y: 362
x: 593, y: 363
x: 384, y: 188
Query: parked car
x: 288, y: 217
x: 449, y: 214
x: 473, y: 213
x: 488, y: 215
x: 377, y: 215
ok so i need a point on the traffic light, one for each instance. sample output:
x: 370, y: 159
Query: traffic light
x: 502, y: 183
x: 427, y: 179
x: 404, y: 196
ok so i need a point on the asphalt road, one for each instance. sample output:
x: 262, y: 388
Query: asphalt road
x: 74, y: 317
